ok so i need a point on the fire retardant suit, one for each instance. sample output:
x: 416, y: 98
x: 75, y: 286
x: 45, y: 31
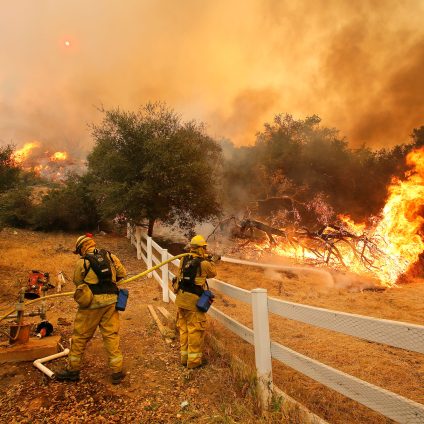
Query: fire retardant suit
x: 100, y: 313
x: 190, y: 321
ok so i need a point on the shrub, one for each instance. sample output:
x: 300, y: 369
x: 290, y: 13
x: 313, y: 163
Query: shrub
x: 69, y: 208
x: 16, y: 209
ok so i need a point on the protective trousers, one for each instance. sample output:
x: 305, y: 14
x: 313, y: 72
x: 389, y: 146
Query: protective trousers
x: 192, y: 325
x: 86, y: 323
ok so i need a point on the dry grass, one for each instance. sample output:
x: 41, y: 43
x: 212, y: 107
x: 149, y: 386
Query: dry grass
x: 22, y: 251
x: 394, y: 369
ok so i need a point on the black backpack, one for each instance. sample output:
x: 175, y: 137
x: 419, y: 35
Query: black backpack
x: 189, y: 271
x: 101, y: 262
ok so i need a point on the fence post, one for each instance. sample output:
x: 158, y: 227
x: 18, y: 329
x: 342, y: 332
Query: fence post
x: 165, y: 276
x: 262, y: 343
x: 132, y: 237
x: 138, y: 241
x: 149, y: 254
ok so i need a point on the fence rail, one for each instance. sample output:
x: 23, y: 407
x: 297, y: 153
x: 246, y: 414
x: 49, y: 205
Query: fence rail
x: 398, y: 334
x: 239, y: 329
x: 387, y: 403
x: 393, y: 333
x: 232, y: 291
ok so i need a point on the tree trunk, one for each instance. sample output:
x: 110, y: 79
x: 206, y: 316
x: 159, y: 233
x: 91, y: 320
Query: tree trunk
x: 150, y: 228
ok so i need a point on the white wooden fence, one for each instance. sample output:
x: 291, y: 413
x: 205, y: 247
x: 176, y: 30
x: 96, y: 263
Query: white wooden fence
x: 393, y: 333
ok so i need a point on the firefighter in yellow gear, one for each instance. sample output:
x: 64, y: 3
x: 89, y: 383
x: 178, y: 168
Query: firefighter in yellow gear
x: 191, y: 281
x: 96, y: 298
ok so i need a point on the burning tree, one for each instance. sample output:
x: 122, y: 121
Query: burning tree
x: 385, y: 248
x: 304, y: 160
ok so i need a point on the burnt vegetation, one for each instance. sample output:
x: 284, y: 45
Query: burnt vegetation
x: 327, y: 245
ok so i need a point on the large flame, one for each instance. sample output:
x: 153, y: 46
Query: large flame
x: 402, y: 223
x: 394, y: 241
x: 58, y: 156
x: 23, y: 154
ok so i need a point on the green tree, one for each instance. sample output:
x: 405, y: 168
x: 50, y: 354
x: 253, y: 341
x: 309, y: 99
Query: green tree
x: 418, y: 136
x: 150, y: 165
x: 9, y: 171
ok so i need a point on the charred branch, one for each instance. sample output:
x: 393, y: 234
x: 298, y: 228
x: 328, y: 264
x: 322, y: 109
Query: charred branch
x: 322, y: 246
x: 249, y: 225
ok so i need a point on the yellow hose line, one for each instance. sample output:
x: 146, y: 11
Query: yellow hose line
x: 128, y: 280
x: 142, y: 274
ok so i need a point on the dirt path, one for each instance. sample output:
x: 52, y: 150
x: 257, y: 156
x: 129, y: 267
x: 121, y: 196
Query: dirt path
x: 155, y: 386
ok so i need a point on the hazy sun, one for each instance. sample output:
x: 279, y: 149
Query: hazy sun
x: 67, y: 43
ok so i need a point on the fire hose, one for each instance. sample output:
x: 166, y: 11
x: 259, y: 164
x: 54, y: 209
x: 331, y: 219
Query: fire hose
x: 128, y: 280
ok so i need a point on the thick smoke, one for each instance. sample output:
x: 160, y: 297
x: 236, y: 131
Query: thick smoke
x: 232, y: 64
x: 378, y: 74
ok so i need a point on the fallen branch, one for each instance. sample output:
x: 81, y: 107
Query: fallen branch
x: 166, y: 332
x: 322, y: 247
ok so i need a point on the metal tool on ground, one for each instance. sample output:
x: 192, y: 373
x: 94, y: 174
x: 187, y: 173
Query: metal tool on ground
x: 44, y: 329
x: 19, y: 331
x: 38, y: 282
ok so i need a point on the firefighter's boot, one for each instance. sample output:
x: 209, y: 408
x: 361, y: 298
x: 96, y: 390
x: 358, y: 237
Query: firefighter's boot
x: 67, y: 375
x: 117, y: 377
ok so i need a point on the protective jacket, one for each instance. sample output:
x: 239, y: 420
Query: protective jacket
x: 190, y: 321
x: 100, y: 314
x: 84, y: 273
x: 206, y: 269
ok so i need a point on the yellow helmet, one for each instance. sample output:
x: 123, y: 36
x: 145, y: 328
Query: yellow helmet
x: 80, y: 241
x: 198, y: 241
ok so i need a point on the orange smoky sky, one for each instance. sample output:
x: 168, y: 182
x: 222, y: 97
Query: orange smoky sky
x: 232, y: 64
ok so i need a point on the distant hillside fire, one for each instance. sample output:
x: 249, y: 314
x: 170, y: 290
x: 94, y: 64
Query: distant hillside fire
x: 59, y: 156
x: 34, y: 156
